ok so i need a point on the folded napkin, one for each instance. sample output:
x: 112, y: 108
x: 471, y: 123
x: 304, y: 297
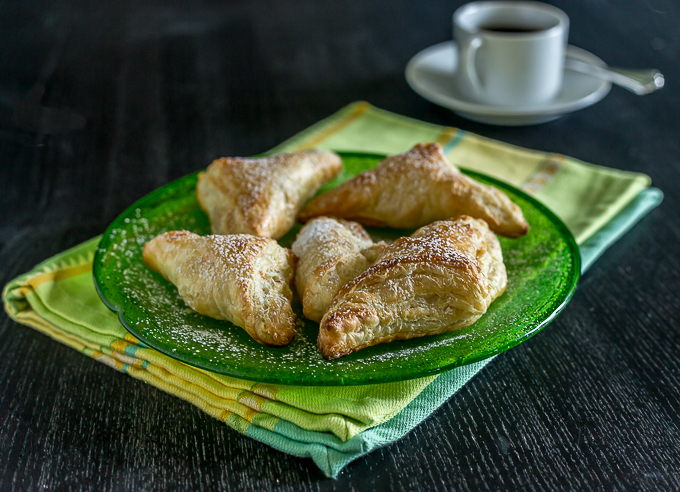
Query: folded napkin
x: 332, y: 425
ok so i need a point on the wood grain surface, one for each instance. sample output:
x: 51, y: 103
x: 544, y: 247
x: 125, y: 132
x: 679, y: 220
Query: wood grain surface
x: 102, y: 102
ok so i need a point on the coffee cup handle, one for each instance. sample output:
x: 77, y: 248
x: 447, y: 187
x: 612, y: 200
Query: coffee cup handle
x: 468, y: 56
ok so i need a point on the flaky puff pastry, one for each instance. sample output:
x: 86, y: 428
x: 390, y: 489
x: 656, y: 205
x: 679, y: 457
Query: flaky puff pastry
x: 414, y: 189
x: 262, y: 196
x: 330, y: 252
x: 442, y: 278
x: 239, y: 278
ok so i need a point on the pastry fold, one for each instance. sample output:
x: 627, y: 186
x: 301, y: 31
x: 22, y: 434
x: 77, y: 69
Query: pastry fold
x: 239, y: 278
x: 440, y: 279
x: 330, y: 253
x: 414, y: 189
x: 262, y: 196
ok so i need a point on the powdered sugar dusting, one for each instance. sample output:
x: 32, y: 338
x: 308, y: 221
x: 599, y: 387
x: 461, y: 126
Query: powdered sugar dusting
x: 256, y: 176
x: 325, y: 230
x: 455, y: 240
x: 421, y: 160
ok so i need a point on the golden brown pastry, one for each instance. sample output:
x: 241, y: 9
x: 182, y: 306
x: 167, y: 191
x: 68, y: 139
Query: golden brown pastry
x: 330, y: 252
x: 262, y: 196
x: 414, y: 189
x: 239, y: 278
x: 442, y: 278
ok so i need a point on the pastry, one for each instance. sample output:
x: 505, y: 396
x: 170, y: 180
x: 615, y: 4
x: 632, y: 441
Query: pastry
x: 262, y: 196
x: 330, y: 252
x: 239, y: 278
x: 440, y: 279
x: 414, y: 189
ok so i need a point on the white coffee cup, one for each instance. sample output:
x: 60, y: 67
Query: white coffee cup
x: 510, y: 53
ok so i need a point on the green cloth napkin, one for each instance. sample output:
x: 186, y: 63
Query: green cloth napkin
x: 332, y: 425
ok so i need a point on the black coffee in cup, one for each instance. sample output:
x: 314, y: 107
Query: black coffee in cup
x: 509, y: 29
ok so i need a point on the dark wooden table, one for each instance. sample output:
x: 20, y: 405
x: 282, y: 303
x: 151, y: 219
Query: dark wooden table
x: 101, y: 102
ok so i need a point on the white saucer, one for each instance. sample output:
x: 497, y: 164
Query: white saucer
x: 431, y: 74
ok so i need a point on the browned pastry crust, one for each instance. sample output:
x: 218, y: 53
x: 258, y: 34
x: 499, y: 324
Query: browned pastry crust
x: 414, y: 189
x: 262, y: 196
x: 442, y: 278
x: 240, y: 278
x: 330, y: 252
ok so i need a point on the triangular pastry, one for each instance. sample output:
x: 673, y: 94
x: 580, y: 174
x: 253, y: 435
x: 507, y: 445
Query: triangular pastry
x: 330, y: 252
x: 262, y: 196
x: 414, y: 189
x: 440, y: 279
x: 239, y: 278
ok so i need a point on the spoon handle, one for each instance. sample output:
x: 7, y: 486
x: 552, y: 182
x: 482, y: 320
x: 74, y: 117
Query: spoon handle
x: 640, y: 82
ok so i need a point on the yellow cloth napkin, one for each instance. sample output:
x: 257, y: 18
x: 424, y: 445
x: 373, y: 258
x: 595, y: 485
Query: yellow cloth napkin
x: 332, y: 425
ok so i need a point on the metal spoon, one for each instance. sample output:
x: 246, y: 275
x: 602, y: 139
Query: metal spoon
x: 640, y: 82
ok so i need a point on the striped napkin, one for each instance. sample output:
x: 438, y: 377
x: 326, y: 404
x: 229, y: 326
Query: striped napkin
x: 332, y: 425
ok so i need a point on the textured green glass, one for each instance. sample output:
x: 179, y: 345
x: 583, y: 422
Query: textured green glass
x: 543, y: 269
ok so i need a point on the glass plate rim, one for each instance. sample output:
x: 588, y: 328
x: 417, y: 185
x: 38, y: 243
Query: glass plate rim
x: 149, y: 197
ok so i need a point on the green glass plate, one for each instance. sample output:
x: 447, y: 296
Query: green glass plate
x: 543, y: 269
